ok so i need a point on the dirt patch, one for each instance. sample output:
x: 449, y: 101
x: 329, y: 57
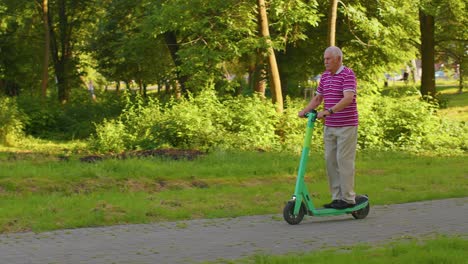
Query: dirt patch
x: 173, y: 154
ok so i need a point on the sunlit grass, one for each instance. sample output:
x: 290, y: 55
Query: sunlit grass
x: 49, y: 193
x: 457, y: 104
x: 441, y: 249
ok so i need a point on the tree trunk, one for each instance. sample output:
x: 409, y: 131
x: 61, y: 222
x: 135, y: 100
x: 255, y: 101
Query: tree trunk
x: 62, y: 83
x: 171, y: 42
x: 461, y: 71
x: 426, y: 23
x: 61, y: 51
x: 257, y: 75
x: 45, y: 66
x: 275, y: 82
x: 332, y: 22
x: 117, y: 86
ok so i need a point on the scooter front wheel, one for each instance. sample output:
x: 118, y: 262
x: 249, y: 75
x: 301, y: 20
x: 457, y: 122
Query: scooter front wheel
x: 288, y: 213
x: 362, y: 213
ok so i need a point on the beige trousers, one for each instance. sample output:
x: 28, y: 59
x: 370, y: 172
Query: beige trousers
x: 340, y: 155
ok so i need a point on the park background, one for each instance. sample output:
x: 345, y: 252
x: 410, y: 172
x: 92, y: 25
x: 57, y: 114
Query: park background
x: 132, y: 75
x: 115, y: 112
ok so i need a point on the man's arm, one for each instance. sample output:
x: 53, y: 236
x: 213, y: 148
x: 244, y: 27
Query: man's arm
x: 347, y: 99
x: 314, y: 103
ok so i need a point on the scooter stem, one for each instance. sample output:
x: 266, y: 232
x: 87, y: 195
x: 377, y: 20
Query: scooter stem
x: 300, y: 190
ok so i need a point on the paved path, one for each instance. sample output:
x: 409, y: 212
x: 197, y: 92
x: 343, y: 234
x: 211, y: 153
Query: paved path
x: 203, y: 240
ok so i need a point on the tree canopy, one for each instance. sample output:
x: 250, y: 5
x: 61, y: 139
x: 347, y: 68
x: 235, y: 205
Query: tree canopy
x: 189, y: 44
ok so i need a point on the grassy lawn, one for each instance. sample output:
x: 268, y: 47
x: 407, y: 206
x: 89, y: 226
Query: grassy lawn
x: 448, y: 250
x: 42, y: 192
x: 457, y: 106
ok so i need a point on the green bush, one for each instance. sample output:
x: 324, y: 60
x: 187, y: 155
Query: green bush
x: 408, y: 124
x: 192, y: 123
x: 110, y: 136
x: 11, y: 122
x: 49, y: 119
x: 201, y: 122
x: 251, y: 123
x: 139, y: 116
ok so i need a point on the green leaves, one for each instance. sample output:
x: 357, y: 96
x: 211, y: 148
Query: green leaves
x: 11, y: 122
x: 408, y: 124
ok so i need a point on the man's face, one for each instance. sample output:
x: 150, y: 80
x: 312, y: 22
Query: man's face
x: 332, y: 63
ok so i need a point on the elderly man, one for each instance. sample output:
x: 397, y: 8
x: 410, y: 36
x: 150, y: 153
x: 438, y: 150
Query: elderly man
x: 337, y: 89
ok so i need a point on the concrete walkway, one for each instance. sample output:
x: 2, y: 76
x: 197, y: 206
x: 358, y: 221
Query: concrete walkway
x: 204, y: 240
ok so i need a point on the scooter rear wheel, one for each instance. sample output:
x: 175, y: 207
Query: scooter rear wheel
x: 288, y: 213
x: 361, y: 213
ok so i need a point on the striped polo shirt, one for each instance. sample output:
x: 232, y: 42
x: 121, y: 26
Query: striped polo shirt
x: 331, y: 87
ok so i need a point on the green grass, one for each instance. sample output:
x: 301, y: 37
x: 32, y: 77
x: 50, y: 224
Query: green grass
x: 440, y: 250
x: 46, y: 192
x: 457, y: 103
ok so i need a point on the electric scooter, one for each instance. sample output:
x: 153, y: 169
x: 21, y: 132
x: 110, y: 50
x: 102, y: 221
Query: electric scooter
x: 301, y: 202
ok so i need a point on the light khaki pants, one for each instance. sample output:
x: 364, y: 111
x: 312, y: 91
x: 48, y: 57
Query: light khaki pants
x: 340, y: 154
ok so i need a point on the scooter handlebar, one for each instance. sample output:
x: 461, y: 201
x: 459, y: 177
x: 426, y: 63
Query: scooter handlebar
x: 312, y: 112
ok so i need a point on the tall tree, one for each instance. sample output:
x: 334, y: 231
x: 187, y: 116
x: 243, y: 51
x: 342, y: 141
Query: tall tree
x: 275, y: 82
x: 67, y: 22
x: 451, y: 37
x: 44, y: 8
x: 20, y: 47
x: 332, y: 22
x: 170, y: 38
x: 377, y: 36
x: 427, y: 28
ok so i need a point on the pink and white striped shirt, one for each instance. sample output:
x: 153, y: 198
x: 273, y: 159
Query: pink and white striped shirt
x: 331, y: 87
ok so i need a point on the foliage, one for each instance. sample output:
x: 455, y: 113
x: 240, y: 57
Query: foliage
x: 20, y: 47
x: 209, y: 33
x: 48, y: 119
x: 206, y: 122
x: 377, y: 35
x: 408, y: 124
x: 11, y: 122
x: 192, y: 122
x: 217, y: 39
x: 124, y: 49
x: 251, y: 123
x: 110, y: 136
x: 291, y: 129
x: 452, y: 37
x: 202, y: 122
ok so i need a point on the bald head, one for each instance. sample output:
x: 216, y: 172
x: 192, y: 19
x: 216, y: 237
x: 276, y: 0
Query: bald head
x: 335, y: 52
x: 333, y: 58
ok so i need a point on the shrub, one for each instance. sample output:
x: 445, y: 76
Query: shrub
x: 193, y: 123
x: 49, y: 119
x: 11, y: 122
x: 139, y: 116
x: 408, y: 124
x: 110, y: 136
x: 250, y: 123
x: 292, y: 129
